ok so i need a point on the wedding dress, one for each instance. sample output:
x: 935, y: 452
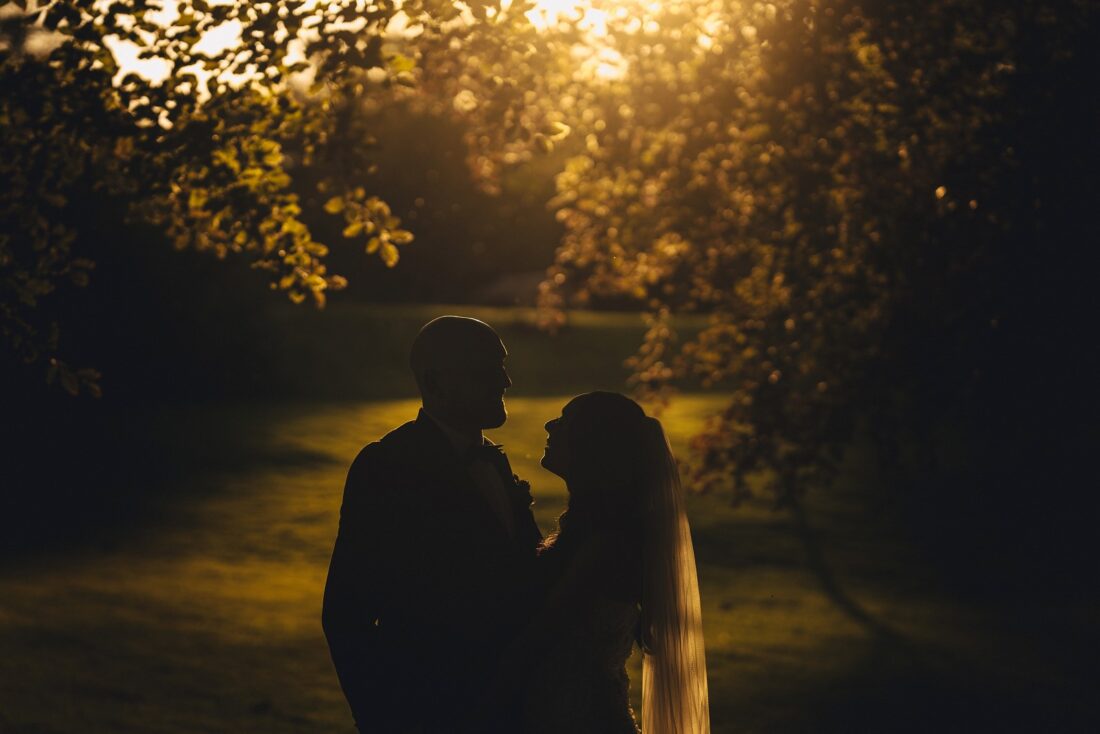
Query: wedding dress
x: 614, y: 579
x: 579, y: 683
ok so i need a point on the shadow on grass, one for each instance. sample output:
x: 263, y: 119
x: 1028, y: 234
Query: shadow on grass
x: 898, y: 693
x: 95, y: 474
x: 820, y: 567
x: 120, y: 676
x: 915, y: 657
x: 786, y: 539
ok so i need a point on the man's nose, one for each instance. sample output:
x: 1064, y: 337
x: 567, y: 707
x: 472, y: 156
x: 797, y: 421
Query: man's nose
x: 507, y: 379
x: 549, y: 423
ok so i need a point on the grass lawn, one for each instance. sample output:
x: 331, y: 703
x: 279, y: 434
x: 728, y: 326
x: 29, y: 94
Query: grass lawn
x: 206, y: 617
x: 188, y: 598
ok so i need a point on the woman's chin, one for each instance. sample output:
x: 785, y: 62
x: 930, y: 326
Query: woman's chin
x: 547, y: 462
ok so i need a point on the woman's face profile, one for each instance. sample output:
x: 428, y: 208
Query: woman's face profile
x: 596, y: 439
x: 555, y: 458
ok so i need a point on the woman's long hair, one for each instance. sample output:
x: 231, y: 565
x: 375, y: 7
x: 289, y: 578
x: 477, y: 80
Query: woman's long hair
x: 623, y: 480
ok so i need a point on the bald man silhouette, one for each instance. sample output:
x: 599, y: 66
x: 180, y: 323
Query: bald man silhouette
x: 431, y: 572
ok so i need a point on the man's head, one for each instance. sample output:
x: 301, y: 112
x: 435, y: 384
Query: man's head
x: 458, y: 363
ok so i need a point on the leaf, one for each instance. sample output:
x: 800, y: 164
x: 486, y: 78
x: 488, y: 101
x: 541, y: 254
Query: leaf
x: 379, y: 207
x: 353, y: 229
x: 59, y: 13
x: 401, y: 237
x: 197, y: 199
x: 273, y: 157
x: 227, y: 157
x: 557, y: 131
x: 68, y: 380
x: 335, y: 205
x: 389, y: 255
x: 400, y: 63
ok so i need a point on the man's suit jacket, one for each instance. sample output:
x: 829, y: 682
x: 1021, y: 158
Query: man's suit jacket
x: 425, y: 586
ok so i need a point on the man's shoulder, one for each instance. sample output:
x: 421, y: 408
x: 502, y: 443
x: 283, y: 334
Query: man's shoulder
x: 389, y: 449
x: 378, y: 469
x: 402, y: 466
x: 405, y: 436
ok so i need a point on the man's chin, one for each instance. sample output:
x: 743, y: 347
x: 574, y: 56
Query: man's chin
x: 496, y: 419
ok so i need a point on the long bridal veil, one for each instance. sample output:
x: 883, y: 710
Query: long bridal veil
x: 674, y: 673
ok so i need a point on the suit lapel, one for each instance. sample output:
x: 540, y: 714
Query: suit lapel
x: 526, y: 533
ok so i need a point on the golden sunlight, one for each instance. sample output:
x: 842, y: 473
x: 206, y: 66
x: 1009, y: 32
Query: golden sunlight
x: 548, y: 13
x: 601, y: 61
x: 591, y: 16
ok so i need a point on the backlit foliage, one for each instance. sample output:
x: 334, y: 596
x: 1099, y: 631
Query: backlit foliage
x: 791, y: 169
x: 208, y: 144
x: 804, y: 173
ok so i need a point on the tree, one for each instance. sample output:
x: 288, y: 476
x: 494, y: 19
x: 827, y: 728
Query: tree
x: 822, y: 180
x: 817, y: 178
x: 211, y: 153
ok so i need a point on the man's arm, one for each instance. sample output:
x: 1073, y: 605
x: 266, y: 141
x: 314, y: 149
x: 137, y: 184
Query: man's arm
x: 359, y: 581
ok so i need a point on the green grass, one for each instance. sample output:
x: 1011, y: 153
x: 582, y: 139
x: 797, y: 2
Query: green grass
x: 207, y: 618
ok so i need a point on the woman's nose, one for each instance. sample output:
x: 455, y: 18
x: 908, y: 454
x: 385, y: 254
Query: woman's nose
x: 549, y: 424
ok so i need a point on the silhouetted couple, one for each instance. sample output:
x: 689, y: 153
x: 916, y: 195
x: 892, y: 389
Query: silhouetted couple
x: 446, y: 611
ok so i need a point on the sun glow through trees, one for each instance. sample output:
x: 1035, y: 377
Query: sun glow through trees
x: 598, y: 58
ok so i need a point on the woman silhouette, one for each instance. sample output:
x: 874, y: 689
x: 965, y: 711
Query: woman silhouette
x: 620, y: 570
